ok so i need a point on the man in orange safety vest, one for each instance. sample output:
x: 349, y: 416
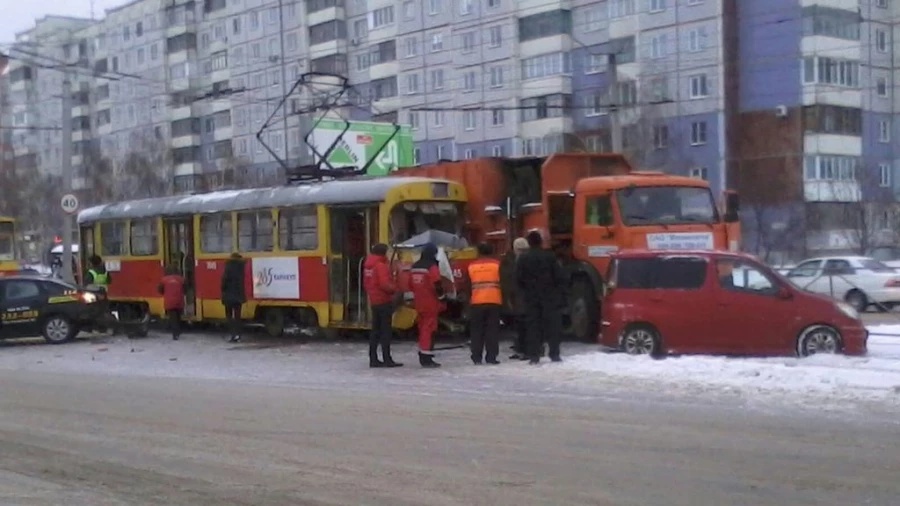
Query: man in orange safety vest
x: 484, y: 306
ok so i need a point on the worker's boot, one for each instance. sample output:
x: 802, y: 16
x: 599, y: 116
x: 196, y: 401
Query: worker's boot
x: 427, y: 361
x: 373, y: 357
x: 386, y: 355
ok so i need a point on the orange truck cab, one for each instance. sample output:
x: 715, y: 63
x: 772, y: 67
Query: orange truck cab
x: 588, y: 205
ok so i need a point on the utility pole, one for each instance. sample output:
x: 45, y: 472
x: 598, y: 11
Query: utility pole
x: 615, y: 106
x: 284, y: 86
x: 68, y: 275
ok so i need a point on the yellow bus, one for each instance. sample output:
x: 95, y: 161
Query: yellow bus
x: 304, y: 246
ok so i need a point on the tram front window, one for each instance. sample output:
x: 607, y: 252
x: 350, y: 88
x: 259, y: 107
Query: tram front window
x: 7, y: 249
x: 413, y: 220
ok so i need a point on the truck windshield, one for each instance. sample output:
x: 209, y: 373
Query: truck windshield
x: 7, y: 250
x: 426, y: 221
x: 666, y: 205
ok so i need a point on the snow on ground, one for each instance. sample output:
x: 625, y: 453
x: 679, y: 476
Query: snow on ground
x: 833, y: 378
x: 834, y: 384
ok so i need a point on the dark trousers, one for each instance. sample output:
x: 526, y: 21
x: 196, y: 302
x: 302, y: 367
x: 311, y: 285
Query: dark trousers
x: 381, y: 331
x: 544, y: 324
x: 484, y: 331
x: 174, y: 316
x: 233, y: 315
x: 521, y: 333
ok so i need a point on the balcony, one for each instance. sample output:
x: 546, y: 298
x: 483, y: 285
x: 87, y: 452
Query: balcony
x: 328, y: 48
x: 222, y: 133
x: 188, y: 169
x: 848, y: 145
x: 549, y: 85
x: 185, y: 141
x: 561, y: 43
x: 383, y: 70
x: 325, y: 15
x: 546, y: 126
x: 831, y: 95
x: 832, y: 191
x: 180, y: 112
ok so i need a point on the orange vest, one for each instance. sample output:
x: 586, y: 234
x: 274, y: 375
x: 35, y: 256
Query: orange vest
x: 485, y: 277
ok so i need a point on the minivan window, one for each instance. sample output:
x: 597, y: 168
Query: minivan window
x: 675, y: 273
x: 744, y: 277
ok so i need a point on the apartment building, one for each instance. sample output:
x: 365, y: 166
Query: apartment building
x: 816, y: 119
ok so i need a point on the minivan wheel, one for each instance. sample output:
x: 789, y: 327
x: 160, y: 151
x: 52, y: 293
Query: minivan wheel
x: 857, y: 299
x: 641, y: 340
x: 58, y: 329
x: 818, y: 339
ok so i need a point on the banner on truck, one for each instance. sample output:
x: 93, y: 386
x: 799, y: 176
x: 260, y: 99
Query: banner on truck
x: 361, y: 143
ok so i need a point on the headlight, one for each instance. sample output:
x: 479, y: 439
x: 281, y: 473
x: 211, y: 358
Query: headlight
x: 88, y: 298
x: 848, y: 310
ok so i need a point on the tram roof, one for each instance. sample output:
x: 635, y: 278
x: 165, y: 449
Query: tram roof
x: 343, y: 191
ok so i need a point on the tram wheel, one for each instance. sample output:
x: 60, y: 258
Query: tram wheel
x: 273, y: 321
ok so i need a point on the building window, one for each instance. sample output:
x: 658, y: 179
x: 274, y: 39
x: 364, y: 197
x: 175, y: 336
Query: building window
x: 220, y: 60
x: 496, y: 77
x: 621, y: 8
x: 548, y: 106
x: 830, y: 168
x: 658, y: 46
x: 884, y: 131
x: 700, y: 173
x: 546, y: 65
x: 881, y: 41
x: 493, y: 4
x: 594, y: 18
x: 439, y: 151
x: 496, y: 33
x: 437, y: 119
x: 409, y: 9
x: 832, y: 119
x: 881, y: 86
x: 497, y: 117
x: 830, y: 22
x: 412, y: 47
x: 545, y: 24
x: 832, y: 71
x: 594, y: 63
x: 698, y: 133
x: 660, y: 136
x: 437, y: 42
x: 381, y: 17
x: 699, y: 86
x: 626, y: 92
x: 412, y: 117
x: 469, y: 120
x: 469, y: 82
x: 657, y: 5
x: 417, y: 156
x: 595, y: 104
x: 437, y: 79
x: 497, y: 151
x: 697, y: 39
x: 412, y: 84
x: 884, y: 175
x: 434, y: 7
x: 468, y: 42
x: 466, y: 7
x: 881, y: 4
x: 469, y: 154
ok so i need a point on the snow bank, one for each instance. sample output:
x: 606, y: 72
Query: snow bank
x: 873, y: 377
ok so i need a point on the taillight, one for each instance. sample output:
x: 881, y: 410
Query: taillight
x: 892, y: 283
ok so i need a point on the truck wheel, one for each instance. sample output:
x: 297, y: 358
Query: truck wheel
x: 58, y: 329
x: 273, y: 320
x: 584, y: 312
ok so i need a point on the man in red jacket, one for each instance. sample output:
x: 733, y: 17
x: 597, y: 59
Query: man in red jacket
x: 380, y: 288
x: 172, y: 289
x: 426, y: 283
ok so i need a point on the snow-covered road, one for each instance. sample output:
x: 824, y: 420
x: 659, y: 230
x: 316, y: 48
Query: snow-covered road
x: 822, y: 383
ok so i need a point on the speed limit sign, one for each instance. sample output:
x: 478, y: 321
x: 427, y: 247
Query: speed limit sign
x: 69, y: 203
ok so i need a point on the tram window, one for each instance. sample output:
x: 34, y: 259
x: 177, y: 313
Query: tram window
x: 298, y: 229
x: 7, y: 250
x: 112, y: 239
x: 216, y: 234
x: 255, y: 231
x: 87, y: 241
x: 144, y: 238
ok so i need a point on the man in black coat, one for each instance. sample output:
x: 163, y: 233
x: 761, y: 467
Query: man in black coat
x: 233, y: 294
x: 540, y: 281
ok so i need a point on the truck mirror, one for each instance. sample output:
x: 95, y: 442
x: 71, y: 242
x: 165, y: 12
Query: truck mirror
x: 732, y: 207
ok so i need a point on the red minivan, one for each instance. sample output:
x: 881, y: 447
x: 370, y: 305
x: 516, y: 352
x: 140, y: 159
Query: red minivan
x: 718, y: 302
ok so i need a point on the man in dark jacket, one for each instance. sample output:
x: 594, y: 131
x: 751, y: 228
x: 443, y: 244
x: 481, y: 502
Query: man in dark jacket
x: 381, y: 289
x: 540, y: 280
x: 512, y: 297
x: 233, y: 294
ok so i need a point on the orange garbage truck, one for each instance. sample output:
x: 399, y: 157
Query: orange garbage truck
x: 588, y: 205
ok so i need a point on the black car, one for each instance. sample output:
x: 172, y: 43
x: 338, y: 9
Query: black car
x: 35, y: 305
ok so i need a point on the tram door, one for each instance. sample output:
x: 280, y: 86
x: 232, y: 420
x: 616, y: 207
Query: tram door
x: 178, y: 238
x: 354, y: 230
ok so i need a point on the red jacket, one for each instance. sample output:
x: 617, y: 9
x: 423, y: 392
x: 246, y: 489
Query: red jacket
x: 425, y: 283
x: 377, y: 280
x: 172, y: 290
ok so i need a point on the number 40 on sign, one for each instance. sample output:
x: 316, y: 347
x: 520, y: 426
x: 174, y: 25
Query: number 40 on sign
x: 69, y: 203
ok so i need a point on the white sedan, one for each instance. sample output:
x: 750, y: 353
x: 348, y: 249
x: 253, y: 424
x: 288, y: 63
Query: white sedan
x: 861, y: 281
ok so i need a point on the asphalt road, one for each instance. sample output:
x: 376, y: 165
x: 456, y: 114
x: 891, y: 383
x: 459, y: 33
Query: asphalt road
x: 94, y: 440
